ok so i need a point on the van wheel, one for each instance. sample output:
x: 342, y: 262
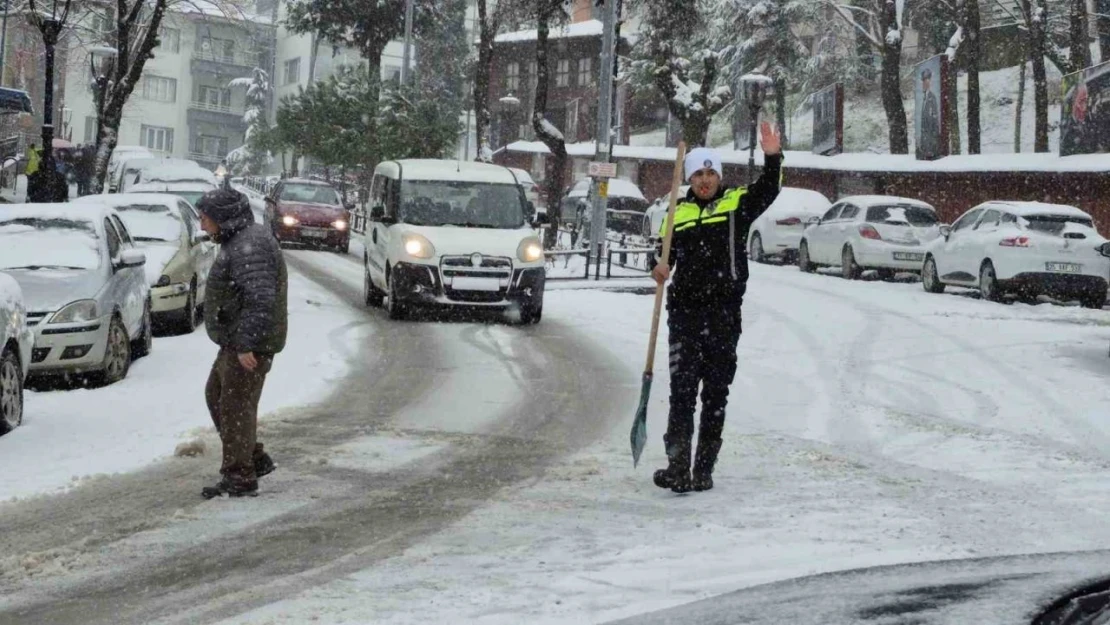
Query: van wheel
x: 372, y: 294
x: 929, y: 278
x: 396, y: 309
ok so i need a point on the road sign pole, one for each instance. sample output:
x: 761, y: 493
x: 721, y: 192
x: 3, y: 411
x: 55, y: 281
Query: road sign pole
x: 604, y: 124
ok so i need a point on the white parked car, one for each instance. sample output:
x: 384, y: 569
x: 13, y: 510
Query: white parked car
x: 777, y: 232
x: 1021, y: 248
x: 188, y: 190
x: 178, y: 253
x: 870, y: 232
x: 655, y: 214
x: 121, y: 155
x: 83, y: 284
x: 16, y: 342
x: 451, y: 234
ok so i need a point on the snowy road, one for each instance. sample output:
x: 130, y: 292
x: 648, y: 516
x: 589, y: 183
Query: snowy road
x: 480, y: 473
x: 399, y: 452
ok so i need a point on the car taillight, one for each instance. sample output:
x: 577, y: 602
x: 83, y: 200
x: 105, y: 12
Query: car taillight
x: 1022, y: 241
x: 790, y: 221
x: 869, y: 232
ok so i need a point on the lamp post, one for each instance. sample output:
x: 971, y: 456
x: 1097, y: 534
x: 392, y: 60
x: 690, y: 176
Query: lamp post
x: 755, y: 90
x: 511, y: 104
x: 49, y: 189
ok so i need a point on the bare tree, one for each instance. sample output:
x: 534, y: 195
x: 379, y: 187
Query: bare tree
x: 556, y: 166
x: 879, y: 24
x: 1035, y: 13
x: 487, y: 30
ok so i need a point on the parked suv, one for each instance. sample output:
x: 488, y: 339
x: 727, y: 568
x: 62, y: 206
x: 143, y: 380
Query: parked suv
x: 309, y: 211
x: 445, y: 233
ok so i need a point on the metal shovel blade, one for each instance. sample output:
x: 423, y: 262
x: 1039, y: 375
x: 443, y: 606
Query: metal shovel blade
x: 638, y: 436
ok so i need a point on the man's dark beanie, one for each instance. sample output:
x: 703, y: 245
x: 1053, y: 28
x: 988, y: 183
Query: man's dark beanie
x: 223, y: 204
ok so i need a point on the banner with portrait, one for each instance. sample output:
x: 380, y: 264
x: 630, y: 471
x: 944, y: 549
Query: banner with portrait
x: 1085, y: 114
x: 930, y: 117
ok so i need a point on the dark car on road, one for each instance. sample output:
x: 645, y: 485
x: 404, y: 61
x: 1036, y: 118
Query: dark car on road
x: 308, y: 212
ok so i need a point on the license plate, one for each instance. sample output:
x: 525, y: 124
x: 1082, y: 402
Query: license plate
x: 1064, y: 267
x: 909, y: 256
x: 467, y: 283
x: 314, y: 233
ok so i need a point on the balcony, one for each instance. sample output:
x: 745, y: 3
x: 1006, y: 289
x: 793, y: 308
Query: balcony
x: 208, y: 113
x: 237, y: 63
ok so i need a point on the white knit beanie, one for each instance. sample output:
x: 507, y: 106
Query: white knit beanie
x: 703, y: 158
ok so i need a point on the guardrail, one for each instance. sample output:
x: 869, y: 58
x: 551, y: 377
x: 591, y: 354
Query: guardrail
x: 235, y: 58
x: 622, y: 258
x: 358, y: 221
x: 216, y: 108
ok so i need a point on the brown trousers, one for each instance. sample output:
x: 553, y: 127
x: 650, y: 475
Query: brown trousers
x: 232, y: 394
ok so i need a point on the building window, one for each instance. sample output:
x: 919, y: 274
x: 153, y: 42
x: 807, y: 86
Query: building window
x: 159, y: 89
x: 169, y: 39
x: 585, y: 72
x: 293, y: 71
x: 562, y: 73
x: 222, y: 50
x: 212, y: 146
x: 157, y: 138
x: 90, y: 129
x: 512, y: 77
x: 214, y: 97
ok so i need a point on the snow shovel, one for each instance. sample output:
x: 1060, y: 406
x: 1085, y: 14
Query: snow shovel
x: 639, y: 424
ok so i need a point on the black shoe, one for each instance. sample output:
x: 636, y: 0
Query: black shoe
x: 702, y: 482
x: 264, y: 465
x: 224, y: 487
x: 676, y: 480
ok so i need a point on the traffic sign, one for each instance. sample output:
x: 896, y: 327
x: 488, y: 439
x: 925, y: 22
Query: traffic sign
x: 603, y: 189
x: 601, y: 170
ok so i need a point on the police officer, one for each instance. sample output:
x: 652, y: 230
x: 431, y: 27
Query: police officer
x: 703, y: 303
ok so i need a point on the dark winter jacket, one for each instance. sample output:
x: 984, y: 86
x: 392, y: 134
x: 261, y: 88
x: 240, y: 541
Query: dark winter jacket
x: 708, y: 246
x: 245, y: 307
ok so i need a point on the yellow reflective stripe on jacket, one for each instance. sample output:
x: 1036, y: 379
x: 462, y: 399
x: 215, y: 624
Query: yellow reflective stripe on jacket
x: 688, y: 214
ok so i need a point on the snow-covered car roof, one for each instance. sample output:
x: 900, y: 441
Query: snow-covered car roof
x: 129, y: 199
x: 617, y: 187
x: 1023, y: 209
x: 867, y: 201
x: 805, y: 200
x: 180, y: 185
x: 177, y: 172
x: 444, y: 170
x: 92, y: 212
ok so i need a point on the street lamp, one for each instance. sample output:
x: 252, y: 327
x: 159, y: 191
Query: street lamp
x: 49, y: 188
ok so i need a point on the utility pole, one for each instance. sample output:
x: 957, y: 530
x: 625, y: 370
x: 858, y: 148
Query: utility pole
x: 4, y: 39
x: 408, y: 43
x: 604, y: 127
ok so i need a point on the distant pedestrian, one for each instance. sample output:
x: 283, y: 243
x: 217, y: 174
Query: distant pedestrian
x: 703, y: 303
x: 245, y: 313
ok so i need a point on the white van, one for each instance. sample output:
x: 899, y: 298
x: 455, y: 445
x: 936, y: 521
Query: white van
x: 454, y: 234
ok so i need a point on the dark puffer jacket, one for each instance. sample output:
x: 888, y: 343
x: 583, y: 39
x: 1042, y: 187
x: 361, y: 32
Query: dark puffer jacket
x: 246, y: 304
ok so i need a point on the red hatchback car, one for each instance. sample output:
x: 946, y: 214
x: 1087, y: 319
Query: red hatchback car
x: 309, y: 212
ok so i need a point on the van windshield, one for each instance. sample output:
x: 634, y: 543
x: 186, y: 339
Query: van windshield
x: 465, y: 204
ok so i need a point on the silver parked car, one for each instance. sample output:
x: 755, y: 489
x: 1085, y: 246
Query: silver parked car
x: 16, y: 341
x: 83, y: 284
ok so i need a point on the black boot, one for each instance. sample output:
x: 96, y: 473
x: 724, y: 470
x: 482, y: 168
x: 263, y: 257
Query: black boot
x: 704, y: 463
x: 226, y: 487
x: 263, y: 465
x: 677, y: 474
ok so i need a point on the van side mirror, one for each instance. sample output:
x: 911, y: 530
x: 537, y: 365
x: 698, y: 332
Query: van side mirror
x: 377, y: 213
x: 945, y: 230
x: 539, y: 219
x: 1104, y: 249
x: 813, y: 220
x: 131, y: 258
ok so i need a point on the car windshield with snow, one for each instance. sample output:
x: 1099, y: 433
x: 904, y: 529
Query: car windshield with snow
x: 465, y: 204
x: 48, y: 242
x: 310, y: 194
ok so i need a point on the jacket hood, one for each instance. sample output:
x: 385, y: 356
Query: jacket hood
x: 229, y: 209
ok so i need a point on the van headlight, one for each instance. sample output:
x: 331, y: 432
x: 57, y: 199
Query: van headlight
x: 418, y: 246
x: 77, y: 312
x: 530, y: 250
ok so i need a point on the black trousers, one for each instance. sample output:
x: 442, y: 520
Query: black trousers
x: 702, y: 354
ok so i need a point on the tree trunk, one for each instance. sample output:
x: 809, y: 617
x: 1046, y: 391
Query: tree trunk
x: 556, y: 164
x: 486, y: 30
x: 695, y: 128
x: 106, y: 139
x: 1035, y: 16
x: 1020, y: 107
x: 780, y: 109
x: 973, y: 51
x: 950, y: 87
x: 891, y: 83
x: 1078, y: 37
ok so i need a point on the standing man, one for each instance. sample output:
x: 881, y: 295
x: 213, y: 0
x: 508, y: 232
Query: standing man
x: 703, y: 304
x: 245, y: 313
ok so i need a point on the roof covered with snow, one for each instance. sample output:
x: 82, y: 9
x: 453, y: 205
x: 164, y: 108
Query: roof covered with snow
x: 456, y: 171
x: 1022, y: 162
x: 800, y: 200
x: 177, y: 172
x: 1024, y: 209
x: 867, y: 201
x: 116, y: 200
x: 92, y: 213
x: 588, y: 28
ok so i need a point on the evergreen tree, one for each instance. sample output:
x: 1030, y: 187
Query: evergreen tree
x: 253, y: 156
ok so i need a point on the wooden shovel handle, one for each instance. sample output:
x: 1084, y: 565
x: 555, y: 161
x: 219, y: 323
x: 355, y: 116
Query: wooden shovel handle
x: 668, y: 232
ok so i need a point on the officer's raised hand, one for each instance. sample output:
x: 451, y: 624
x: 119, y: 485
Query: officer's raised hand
x: 769, y: 139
